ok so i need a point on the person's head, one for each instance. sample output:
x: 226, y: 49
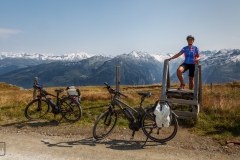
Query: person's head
x: 190, y: 39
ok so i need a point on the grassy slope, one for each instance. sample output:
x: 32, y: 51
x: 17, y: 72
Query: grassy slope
x: 219, y: 116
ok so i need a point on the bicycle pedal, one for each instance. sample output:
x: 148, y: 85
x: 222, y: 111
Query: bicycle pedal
x: 55, y: 110
x: 131, y: 138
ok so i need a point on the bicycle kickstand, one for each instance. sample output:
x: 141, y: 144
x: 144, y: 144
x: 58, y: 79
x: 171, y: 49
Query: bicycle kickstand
x: 55, y: 117
x: 147, y: 139
x: 131, y: 138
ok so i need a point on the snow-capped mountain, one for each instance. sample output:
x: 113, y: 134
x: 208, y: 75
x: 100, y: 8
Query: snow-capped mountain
x: 13, y: 61
x: 138, y: 55
x: 162, y: 57
x: 91, y: 71
x: 222, y: 57
x: 79, y: 56
x: 37, y: 56
x: 137, y: 67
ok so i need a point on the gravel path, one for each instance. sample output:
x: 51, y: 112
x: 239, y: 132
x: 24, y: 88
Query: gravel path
x: 43, y: 140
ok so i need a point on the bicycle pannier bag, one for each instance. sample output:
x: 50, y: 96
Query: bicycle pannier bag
x: 72, y: 91
x: 162, y: 112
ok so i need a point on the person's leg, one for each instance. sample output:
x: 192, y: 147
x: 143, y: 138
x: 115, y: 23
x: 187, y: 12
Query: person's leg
x: 180, y: 70
x: 191, y: 75
x: 191, y: 82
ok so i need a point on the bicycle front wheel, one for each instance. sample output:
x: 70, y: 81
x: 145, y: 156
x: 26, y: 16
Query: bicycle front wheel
x: 36, y: 109
x: 155, y: 133
x: 71, y: 110
x: 105, y: 124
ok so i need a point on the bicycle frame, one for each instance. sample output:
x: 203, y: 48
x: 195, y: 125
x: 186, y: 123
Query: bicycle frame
x: 44, y: 95
x: 134, y: 122
x: 119, y: 103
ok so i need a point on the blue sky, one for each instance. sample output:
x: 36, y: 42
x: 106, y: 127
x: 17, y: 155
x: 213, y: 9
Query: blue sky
x: 114, y: 27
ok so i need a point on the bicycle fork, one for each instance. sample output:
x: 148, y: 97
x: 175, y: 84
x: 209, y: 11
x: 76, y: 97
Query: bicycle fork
x: 39, y: 105
x: 108, y: 118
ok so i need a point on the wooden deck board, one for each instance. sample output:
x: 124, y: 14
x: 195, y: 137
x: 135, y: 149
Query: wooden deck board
x: 186, y: 115
x: 186, y: 91
x: 180, y: 94
x: 181, y: 101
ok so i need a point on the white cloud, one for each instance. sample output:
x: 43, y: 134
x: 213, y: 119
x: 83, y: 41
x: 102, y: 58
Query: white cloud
x: 6, y: 33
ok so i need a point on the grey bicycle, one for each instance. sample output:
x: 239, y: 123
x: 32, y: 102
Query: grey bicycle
x: 144, y: 119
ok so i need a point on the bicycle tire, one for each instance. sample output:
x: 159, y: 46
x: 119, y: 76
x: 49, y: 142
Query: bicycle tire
x: 70, y: 110
x: 105, y: 124
x: 36, y: 109
x: 155, y: 133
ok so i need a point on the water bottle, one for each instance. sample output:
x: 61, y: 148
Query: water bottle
x: 128, y: 114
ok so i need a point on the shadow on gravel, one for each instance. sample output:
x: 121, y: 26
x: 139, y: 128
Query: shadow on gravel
x: 36, y: 124
x: 112, y: 144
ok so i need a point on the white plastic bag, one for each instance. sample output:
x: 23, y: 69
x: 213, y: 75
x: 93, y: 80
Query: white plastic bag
x: 162, y: 112
x: 72, y: 91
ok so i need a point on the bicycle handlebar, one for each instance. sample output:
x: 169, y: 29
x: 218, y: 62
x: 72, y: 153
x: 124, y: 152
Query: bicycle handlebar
x: 112, y: 91
x: 37, y: 87
x: 40, y: 88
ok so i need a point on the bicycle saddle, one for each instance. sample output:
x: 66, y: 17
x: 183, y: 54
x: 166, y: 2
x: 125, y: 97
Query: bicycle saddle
x: 145, y: 94
x: 59, y: 90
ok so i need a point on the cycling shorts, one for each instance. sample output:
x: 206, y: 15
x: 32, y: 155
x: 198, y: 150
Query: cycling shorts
x: 190, y: 67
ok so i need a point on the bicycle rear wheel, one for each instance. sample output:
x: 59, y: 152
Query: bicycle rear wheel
x: 71, y: 110
x: 155, y: 133
x: 36, y: 109
x: 105, y: 124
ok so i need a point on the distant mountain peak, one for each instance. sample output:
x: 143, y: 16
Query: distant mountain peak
x: 162, y: 57
x: 138, y: 54
x: 65, y: 57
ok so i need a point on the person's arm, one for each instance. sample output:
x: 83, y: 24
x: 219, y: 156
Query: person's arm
x: 198, y: 57
x: 175, y: 56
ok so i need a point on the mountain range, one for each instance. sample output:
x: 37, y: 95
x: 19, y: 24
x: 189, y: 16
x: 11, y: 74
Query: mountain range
x: 136, y: 67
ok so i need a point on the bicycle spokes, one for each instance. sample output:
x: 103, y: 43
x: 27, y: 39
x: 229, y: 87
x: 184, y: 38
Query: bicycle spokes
x: 36, y: 109
x: 158, y: 134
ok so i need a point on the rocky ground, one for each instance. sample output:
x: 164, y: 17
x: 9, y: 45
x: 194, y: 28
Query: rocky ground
x: 51, y: 140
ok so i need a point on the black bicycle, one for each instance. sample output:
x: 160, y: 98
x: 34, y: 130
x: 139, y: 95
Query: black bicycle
x: 69, y: 107
x: 145, y: 119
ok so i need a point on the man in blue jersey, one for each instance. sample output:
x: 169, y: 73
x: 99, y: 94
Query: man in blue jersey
x: 192, y: 55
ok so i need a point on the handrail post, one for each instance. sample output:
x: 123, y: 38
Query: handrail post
x: 168, y: 77
x: 118, y: 80
x: 34, y: 89
x: 200, y: 85
x: 196, y: 81
x: 165, y: 80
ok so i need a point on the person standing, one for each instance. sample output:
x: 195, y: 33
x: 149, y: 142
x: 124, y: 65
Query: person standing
x: 192, y: 55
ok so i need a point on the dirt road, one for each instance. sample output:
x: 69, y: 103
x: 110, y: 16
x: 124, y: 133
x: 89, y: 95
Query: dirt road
x: 51, y: 141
